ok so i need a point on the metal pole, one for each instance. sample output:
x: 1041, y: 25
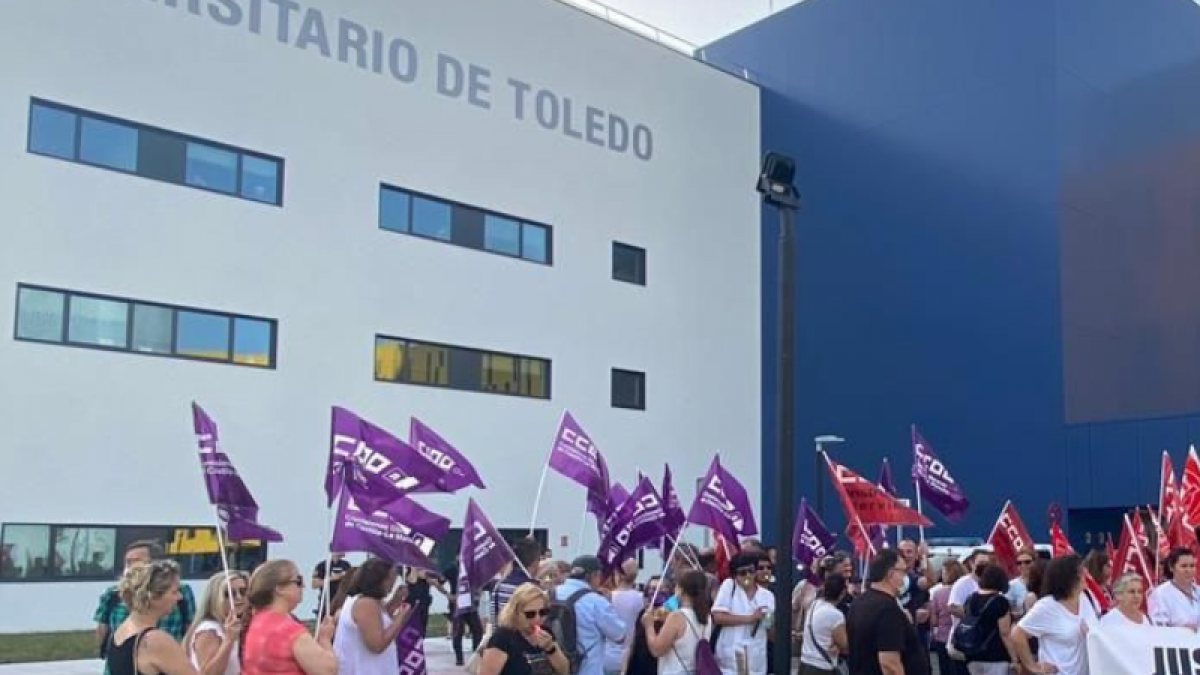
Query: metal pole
x: 785, y: 445
x: 818, y: 483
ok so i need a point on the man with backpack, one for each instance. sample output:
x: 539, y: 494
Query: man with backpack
x: 111, y: 611
x: 582, y: 620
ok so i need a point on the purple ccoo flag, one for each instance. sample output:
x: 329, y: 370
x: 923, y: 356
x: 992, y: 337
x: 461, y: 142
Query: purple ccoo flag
x: 575, y: 456
x: 934, y: 481
x: 373, y: 464
x: 236, y: 508
x: 382, y: 534
x: 811, y: 540
x: 675, y: 517
x: 636, y: 524
x: 617, y: 495
x: 722, y: 504
x: 410, y: 645
x: 457, y: 472
x: 482, y: 554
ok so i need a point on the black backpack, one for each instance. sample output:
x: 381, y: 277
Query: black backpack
x: 562, y: 624
x: 968, y: 636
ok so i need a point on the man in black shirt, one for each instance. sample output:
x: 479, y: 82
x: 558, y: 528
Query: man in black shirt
x: 339, y: 568
x: 883, y: 640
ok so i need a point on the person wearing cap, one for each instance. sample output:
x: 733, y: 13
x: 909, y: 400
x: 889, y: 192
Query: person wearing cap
x: 596, y: 622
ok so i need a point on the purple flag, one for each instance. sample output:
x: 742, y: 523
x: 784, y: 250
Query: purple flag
x: 811, y: 540
x: 722, y: 504
x: 372, y: 463
x: 410, y: 646
x: 934, y: 481
x: 236, y: 508
x: 381, y: 534
x: 456, y: 472
x: 575, y: 456
x: 637, y: 523
x: 675, y: 517
x: 482, y: 554
x: 617, y: 495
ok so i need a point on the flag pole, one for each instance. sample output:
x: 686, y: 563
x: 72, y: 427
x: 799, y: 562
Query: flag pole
x: 323, y: 597
x: 537, y: 500
x: 674, y: 549
x: 920, y: 510
x: 224, y: 557
x: 582, y: 529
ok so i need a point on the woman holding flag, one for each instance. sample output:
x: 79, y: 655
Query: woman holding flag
x: 212, y: 641
x: 367, y: 627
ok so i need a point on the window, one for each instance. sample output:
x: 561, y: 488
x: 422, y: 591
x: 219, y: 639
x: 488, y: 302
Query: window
x: 52, y: 132
x: 89, y: 320
x: 79, y: 552
x: 629, y: 263
x: 212, y: 168
x: 462, y: 368
x: 40, y: 314
x: 431, y: 218
x: 628, y: 389
x: 76, y: 135
x: 467, y: 226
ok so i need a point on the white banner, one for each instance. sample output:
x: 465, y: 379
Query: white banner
x: 1143, y: 650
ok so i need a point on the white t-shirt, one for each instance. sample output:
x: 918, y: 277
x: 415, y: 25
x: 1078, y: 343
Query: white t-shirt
x: 1170, y: 606
x: 628, y: 603
x: 233, y: 667
x: 749, y: 638
x: 959, y: 592
x: 1062, y: 636
x: 1115, y: 619
x: 820, y: 622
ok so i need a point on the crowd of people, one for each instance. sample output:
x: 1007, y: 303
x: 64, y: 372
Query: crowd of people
x: 544, y: 616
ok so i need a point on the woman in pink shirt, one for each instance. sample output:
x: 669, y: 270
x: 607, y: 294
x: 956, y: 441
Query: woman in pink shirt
x: 273, y: 641
x: 939, y: 614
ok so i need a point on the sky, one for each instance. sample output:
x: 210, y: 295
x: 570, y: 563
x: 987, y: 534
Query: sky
x: 697, y: 21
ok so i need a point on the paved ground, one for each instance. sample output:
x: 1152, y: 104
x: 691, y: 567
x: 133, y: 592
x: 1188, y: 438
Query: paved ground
x: 439, y: 656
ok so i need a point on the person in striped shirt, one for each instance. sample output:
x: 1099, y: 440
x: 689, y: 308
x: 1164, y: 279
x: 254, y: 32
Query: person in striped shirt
x: 528, y: 552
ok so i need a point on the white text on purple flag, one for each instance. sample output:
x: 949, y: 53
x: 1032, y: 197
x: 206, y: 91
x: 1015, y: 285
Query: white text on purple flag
x: 714, y: 496
x: 933, y: 471
x: 372, y: 462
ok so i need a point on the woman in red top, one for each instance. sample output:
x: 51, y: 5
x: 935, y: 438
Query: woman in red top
x: 273, y: 641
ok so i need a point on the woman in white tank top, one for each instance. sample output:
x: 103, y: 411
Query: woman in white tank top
x: 211, y: 643
x: 365, y: 639
x: 675, y: 645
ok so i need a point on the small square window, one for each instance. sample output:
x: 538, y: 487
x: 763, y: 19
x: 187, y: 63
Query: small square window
x: 152, y: 329
x: 535, y: 243
x: 52, y: 131
x: 252, y: 342
x: 394, y: 207
x: 26, y: 550
x: 211, y: 168
x: 628, y: 389
x: 260, y: 179
x: 108, y: 144
x: 502, y: 235
x: 96, y: 321
x: 202, y: 335
x: 431, y: 218
x: 40, y: 314
x: 629, y: 264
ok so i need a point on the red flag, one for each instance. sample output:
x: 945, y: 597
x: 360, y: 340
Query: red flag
x: 1168, y: 493
x: 1131, y: 558
x: 1009, y: 537
x: 867, y: 503
x: 860, y: 537
x: 1092, y: 588
x: 722, y: 557
x: 1190, y: 491
x: 1180, y: 534
x: 1108, y: 547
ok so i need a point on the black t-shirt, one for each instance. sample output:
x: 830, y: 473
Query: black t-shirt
x: 876, y: 623
x: 915, y: 598
x: 339, y: 567
x: 523, y: 658
x: 990, y: 609
x: 418, y: 592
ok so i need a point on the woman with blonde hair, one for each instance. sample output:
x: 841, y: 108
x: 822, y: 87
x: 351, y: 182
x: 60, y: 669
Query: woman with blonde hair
x: 519, y: 645
x: 150, y: 591
x: 1129, y: 594
x: 214, y: 634
x: 273, y: 642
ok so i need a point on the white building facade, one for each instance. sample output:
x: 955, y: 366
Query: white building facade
x: 476, y: 212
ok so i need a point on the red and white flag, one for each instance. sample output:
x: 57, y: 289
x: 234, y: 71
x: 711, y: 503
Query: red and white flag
x: 1190, y: 490
x: 867, y: 503
x: 1091, y: 587
x: 1009, y: 537
x: 1168, y: 493
x: 1130, y: 556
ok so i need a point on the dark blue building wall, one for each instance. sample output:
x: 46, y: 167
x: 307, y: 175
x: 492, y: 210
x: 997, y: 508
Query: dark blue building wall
x: 998, y: 241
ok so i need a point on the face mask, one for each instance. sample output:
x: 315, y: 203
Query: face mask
x: 904, y: 587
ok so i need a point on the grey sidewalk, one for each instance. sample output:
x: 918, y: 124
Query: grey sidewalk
x: 439, y: 660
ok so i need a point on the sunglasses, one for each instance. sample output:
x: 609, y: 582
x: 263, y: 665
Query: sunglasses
x: 298, y: 580
x: 238, y: 592
x: 534, y: 613
x: 746, y: 571
x: 1024, y: 562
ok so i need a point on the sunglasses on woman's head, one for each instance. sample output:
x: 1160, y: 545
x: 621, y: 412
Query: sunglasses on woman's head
x: 532, y: 613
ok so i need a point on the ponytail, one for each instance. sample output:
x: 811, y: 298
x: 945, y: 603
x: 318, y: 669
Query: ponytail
x: 693, y: 584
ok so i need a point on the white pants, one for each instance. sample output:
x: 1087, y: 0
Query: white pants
x: 988, y: 668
